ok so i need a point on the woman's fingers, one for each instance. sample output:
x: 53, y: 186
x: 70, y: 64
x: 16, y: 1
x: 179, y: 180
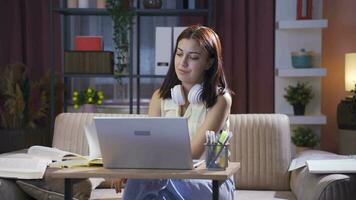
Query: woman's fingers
x: 118, y: 184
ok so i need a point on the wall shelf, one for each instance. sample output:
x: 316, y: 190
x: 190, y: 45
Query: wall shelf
x: 136, y: 81
x: 112, y: 76
x: 307, y: 119
x: 302, y: 24
x: 140, y: 12
x: 293, y: 72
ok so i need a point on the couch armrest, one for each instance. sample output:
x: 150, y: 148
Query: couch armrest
x: 309, y: 186
x: 9, y: 190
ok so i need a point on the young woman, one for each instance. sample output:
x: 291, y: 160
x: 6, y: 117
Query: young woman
x: 194, y: 88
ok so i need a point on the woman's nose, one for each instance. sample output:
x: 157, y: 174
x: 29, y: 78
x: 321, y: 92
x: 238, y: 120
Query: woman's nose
x: 184, y: 61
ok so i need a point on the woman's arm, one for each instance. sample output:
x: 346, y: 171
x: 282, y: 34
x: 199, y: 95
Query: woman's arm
x: 154, y: 109
x: 214, y: 121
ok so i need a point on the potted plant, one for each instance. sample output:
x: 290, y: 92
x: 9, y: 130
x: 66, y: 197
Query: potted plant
x: 122, y: 16
x: 298, y: 96
x: 304, y: 138
x: 24, y: 108
x: 88, y: 98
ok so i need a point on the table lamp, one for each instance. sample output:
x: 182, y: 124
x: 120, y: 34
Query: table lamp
x: 350, y: 71
x: 346, y: 109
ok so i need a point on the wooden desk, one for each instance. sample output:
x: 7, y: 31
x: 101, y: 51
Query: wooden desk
x: 100, y: 172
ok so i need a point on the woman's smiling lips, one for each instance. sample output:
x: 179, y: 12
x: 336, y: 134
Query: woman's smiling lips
x: 182, y: 71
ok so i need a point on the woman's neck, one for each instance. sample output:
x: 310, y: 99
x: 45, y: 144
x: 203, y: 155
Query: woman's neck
x: 186, y: 88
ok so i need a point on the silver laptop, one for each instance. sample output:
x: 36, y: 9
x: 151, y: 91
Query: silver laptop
x: 144, y: 142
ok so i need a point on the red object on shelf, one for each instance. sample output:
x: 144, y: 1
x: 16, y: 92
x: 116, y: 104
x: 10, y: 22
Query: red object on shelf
x: 304, y: 9
x: 88, y: 43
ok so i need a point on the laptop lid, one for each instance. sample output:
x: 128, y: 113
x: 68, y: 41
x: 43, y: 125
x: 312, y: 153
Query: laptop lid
x: 144, y: 142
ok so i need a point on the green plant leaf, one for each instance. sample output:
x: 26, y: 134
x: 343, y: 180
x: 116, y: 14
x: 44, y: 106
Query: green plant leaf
x: 299, y: 94
x: 304, y: 137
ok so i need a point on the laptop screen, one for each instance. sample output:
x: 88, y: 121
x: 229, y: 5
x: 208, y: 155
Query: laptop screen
x: 144, y: 142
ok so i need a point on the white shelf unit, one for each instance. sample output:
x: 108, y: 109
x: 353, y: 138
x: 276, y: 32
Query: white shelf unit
x: 292, y: 72
x: 307, y: 120
x: 294, y: 35
x: 302, y: 24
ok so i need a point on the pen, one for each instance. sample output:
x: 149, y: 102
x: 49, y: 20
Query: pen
x: 207, y: 137
x: 213, y: 137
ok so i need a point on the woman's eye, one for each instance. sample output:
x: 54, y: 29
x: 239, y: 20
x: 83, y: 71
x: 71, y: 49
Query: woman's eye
x: 194, y: 58
x: 179, y: 54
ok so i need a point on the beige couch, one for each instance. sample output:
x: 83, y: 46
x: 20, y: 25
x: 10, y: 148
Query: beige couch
x: 261, y: 142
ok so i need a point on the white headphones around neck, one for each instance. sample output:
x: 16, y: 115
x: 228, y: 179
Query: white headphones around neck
x: 194, y: 95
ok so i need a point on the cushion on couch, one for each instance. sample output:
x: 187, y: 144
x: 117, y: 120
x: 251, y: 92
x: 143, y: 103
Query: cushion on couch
x: 53, y: 188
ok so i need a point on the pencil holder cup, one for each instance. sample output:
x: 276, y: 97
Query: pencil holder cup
x: 216, y: 156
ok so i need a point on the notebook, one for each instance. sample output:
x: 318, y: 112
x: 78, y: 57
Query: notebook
x: 144, y: 142
x: 332, y: 166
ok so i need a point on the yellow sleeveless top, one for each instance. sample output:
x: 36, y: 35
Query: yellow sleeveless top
x: 195, y: 114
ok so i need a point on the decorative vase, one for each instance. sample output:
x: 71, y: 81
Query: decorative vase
x: 299, y: 109
x: 302, y: 59
x: 152, y: 4
x: 346, y: 116
x: 89, y: 108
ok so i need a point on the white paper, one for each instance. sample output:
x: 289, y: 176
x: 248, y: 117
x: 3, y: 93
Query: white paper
x: 301, y: 161
x: 332, y: 166
x: 93, y: 141
x: 50, y: 153
x: 23, y: 166
x: 296, y: 164
x: 33, y: 164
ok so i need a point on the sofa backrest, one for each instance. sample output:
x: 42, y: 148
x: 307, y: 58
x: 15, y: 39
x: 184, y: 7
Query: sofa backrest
x: 261, y: 143
x: 69, y: 131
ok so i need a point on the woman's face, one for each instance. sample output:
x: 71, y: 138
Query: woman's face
x: 191, y: 62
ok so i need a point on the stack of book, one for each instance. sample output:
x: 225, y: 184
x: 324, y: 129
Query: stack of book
x: 88, y: 57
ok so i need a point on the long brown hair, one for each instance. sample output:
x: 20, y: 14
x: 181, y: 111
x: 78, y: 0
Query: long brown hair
x: 214, y: 82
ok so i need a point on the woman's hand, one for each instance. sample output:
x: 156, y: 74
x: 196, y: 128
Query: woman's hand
x: 118, y: 184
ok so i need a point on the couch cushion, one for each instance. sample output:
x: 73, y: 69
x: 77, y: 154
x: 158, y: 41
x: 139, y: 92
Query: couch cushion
x: 261, y: 143
x: 263, y: 195
x: 51, y: 188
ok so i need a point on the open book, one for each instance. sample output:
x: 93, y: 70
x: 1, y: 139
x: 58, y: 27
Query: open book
x: 33, y: 164
x: 94, y: 157
x: 318, y: 155
x: 84, y: 161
